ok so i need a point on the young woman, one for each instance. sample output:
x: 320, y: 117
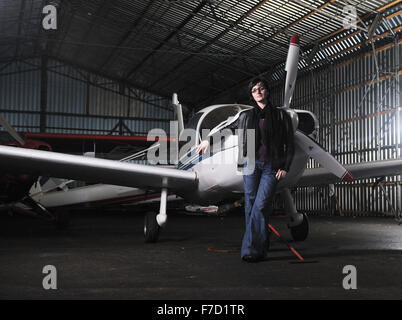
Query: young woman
x: 274, y: 146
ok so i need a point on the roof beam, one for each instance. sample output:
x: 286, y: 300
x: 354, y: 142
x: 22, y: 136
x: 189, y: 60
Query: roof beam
x: 103, y: 9
x: 20, y: 22
x: 388, y: 5
x: 212, y: 41
x: 192, y: 34
x: 134, y: 69
x: 242, y: 82
x: 36, y: 50
x: 127, y: 35
x: 365, y: 17
x: 310, y: 14
x: 96, y: 72
x: 285, y: 28
x: 68, y: 24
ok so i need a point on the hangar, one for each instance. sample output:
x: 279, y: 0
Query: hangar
x: 97, y: 76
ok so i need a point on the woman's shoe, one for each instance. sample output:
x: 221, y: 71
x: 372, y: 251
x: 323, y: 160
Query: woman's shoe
x: 251, y: 258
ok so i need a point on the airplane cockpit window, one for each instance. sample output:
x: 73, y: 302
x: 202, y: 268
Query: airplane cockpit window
x: 217, y: 116
x: 193, y: 122
x: 212, y: 119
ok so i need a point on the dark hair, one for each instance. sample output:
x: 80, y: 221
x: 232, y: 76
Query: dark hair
x: 253, y: 83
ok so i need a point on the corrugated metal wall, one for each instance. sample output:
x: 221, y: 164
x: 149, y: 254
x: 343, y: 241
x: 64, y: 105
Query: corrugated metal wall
x: 77, y: 101
x: 20, y: 92
x: 360, y: 121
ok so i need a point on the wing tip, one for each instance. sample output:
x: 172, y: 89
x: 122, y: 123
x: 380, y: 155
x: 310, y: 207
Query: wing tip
x: 348, y: 177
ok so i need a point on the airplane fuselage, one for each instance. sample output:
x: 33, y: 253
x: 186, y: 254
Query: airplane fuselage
x: 220, y: 178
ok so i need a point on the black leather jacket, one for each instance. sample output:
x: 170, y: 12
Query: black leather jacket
x: 280, y: 150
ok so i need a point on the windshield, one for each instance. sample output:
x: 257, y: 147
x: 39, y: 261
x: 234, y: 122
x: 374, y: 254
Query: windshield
x: 192, y: 123
x: 217, y: 116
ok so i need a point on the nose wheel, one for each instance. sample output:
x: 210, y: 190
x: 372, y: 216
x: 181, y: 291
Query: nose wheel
x: 300, y: 232
x: 151, y: 228
x: 298, y: 222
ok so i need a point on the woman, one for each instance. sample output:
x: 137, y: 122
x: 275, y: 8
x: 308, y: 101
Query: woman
x: 274, y: 146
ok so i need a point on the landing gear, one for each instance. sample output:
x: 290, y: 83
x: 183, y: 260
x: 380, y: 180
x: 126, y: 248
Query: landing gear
x: 60, y: 217
x: 154, y: 222
x: 298, y: 222
x: 300, y: 231
x: 151, y: 228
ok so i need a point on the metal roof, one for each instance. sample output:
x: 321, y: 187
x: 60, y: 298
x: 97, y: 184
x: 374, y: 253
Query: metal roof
x: 200, y: 49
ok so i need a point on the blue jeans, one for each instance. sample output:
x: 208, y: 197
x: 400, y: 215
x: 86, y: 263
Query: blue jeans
x: 259, y: 191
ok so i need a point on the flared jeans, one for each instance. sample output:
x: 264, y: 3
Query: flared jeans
x: 259, y: 190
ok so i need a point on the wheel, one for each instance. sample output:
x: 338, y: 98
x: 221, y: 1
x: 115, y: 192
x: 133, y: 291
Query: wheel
x: 151, y: 228
x: 63, y: 219
x: 300, y: 232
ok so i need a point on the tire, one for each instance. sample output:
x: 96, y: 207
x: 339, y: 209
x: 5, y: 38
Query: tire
x: 151, y: 228
x: 300, y: 232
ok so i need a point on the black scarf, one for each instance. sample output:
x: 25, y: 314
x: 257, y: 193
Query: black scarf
x: 271, y: 129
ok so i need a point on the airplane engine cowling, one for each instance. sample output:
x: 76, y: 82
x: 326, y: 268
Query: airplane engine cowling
x: 307, y: 123
x: 294, y: 117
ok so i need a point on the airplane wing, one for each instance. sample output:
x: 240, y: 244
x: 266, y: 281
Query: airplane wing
x: 321, y: 176
x: 60, y: 165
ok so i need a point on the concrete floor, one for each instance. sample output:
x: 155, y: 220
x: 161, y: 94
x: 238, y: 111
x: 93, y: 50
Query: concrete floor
x: 104, y: 257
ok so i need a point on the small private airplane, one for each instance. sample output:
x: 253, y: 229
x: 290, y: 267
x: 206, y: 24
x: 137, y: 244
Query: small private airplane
x: 52, y: 198
x: 15, y: 184
x: 202, y: 179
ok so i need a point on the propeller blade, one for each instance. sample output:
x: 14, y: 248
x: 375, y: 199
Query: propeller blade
x: 324, y: 158
x: 291, y: 70
x: 11, y: 130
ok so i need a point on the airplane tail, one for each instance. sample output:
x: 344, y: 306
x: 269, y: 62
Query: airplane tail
x: 179, y: 112
x: 11, y: 130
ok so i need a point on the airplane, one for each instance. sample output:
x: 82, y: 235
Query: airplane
x: 52, y: 198
x: 208, y: 179
x: 15, y: 184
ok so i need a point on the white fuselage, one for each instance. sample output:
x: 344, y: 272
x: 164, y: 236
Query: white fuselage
x: 219, y: 176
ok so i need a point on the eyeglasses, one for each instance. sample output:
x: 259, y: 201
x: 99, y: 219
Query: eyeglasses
x: 259, y: 89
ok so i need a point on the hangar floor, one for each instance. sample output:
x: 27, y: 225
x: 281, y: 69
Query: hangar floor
x: 198, y: 257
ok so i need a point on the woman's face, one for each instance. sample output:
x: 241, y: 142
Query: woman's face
x: 260, y: 92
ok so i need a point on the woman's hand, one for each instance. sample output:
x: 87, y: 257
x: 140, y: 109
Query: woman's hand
x: 203, y: 147
x: 280, y: 174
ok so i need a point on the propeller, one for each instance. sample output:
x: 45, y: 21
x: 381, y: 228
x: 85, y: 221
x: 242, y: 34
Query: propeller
x: 307, y: 144
x: 323, y: 157
x: 291, y: 70
x: 11, y: 130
